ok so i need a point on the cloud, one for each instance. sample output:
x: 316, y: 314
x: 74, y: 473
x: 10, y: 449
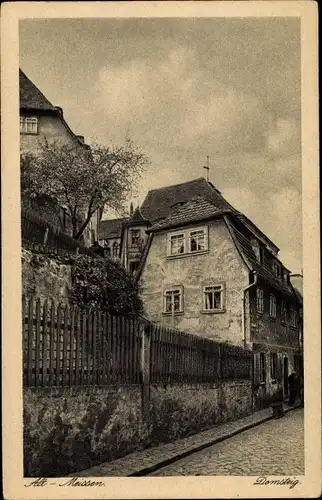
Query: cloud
x: 283, y: 137
x: 173, y: 102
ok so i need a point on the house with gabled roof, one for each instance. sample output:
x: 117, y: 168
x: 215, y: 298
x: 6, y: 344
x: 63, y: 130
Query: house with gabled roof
x: 39, y: 120
x: 209, y: 270
x: 109, y: 236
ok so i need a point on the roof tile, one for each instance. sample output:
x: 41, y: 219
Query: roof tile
x: 110, y: 228
x: 187, y: 212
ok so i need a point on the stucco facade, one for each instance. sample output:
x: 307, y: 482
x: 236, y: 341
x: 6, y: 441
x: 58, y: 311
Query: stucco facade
x: 220, y: 264
x: 50, y: 127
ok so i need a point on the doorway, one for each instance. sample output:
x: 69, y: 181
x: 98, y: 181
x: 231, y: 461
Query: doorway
x: 285, y: 375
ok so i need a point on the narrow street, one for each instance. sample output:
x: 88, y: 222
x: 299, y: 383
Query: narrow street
x: 275, y: 447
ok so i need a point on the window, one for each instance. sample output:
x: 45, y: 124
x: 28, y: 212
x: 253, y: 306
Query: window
x: 276, y: 269
x: 260, y: 300
x: 262, y: 367
x: 116, y: 249
x: 213, y: 298
x: 273, y: 365
x: 272, y: 306
x: 186, y: 242
x: 293, y: 318
x: 135, y: 236
x: 261, y: 255
x: 173, y: 301
x: 177, y: 244
x: 28, y: 125
x: 283, y: 312
x: 197, y: 240
x: 134, y: 265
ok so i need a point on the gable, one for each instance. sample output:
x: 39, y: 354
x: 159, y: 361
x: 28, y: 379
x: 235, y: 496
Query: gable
x: 30, y: 96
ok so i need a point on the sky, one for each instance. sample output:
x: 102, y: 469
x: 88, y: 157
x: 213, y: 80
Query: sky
x: 183, y: 89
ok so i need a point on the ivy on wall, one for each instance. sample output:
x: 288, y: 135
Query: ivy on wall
x: 104, y: 284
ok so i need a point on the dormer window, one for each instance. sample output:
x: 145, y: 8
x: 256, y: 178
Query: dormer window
x: 28, y: 125
x: 272, y: 306
x: 283, y: 312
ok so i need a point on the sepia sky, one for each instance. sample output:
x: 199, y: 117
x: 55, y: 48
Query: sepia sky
x: 184, y: 89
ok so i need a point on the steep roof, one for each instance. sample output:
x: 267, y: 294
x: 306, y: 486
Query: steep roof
x: 137, y: 218
x: 110, y: 228
x: 262, y: 269
x: 191, y: 211
x: 30, y: 96
x: 159, y: 203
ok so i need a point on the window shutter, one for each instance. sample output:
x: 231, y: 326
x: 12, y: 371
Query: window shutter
x: 256, y: 367
x: 279, y: 367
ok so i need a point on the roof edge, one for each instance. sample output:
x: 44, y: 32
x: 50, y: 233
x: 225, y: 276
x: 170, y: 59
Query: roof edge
x: 239, y: 250
x: 220, y: 213
x: 144, y: 257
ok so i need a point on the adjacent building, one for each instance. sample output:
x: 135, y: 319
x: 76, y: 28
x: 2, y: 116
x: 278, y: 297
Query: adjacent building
x: 109, y: 236
x: 39, y: 120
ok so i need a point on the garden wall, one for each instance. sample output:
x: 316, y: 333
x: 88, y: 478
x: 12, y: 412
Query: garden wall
x: 69, y: 429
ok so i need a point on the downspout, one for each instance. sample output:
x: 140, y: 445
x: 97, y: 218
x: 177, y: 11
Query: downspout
x: 244, y: 305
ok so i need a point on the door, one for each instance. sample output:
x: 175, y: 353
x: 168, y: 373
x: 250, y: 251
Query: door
x: 285, y: 375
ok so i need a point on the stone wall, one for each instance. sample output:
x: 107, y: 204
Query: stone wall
x: 44, y: 277
x: 221, y: 264
x: 67, y: 430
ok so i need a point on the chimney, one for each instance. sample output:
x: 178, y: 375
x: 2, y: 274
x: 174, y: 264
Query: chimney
x: 81, y: 138
x: 131, y: 209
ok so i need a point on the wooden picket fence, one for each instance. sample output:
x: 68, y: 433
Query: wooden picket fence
x: 66, y: 346
x: 179, y: 357
x: 44, y: 236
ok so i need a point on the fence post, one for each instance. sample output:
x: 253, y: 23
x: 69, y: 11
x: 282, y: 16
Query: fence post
x: 145, y: 368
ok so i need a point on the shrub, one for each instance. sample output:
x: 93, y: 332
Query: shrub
x: 104, y: 284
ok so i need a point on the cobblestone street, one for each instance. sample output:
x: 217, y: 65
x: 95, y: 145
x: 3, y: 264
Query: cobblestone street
x: 275, y: 447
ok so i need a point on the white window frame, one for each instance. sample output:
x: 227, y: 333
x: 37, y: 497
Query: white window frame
x: 221, y: 289
x: 172, y: 235
x: 260, y: 300
x: 272, y: 306
x: 29, y: 125
x: 186, y: 235
x: 172, y: 290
